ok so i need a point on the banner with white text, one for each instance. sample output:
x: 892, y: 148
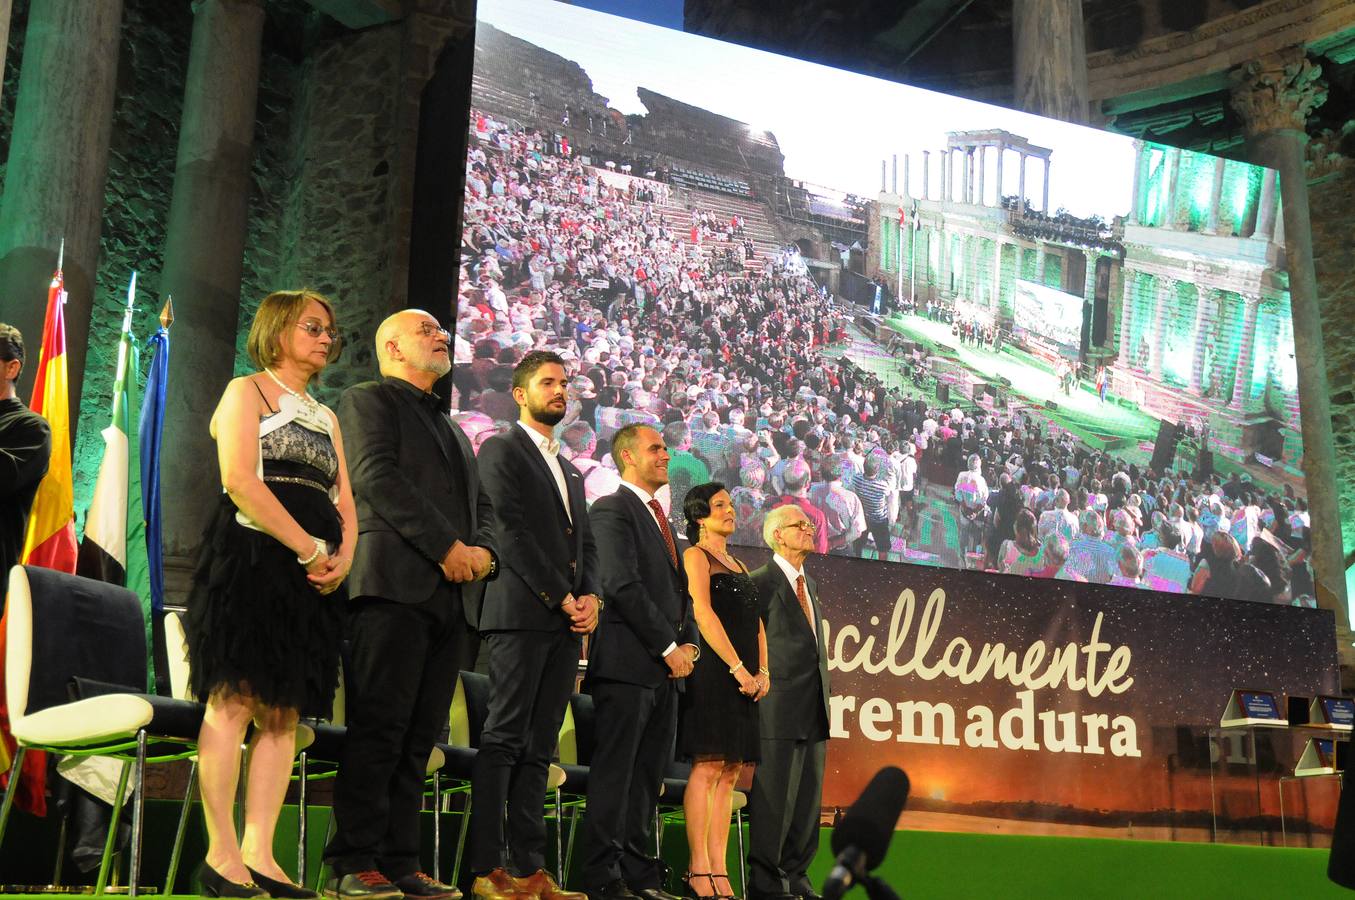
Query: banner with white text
x: 1053, y: 707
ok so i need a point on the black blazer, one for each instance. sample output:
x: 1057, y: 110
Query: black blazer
x: 543, y: 556
x: 647, y: 605
x: 407, y: 489
x: 797, y: 659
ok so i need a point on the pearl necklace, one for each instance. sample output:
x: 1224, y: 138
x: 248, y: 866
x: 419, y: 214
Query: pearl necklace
x: 308, y: 403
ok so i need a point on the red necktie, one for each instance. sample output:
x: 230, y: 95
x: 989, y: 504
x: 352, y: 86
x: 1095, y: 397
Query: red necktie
x: 803, y: 597
x: 667, y: 534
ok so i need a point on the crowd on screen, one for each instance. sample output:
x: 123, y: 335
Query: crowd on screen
x: 1033, y: 502
x: 730, y: 366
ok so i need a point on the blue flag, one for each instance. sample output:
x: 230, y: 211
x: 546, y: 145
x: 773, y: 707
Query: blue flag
x: 151, y: 431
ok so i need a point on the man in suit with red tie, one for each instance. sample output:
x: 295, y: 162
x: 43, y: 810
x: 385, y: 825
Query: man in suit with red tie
x: 532, y: 619
x: 783, y: 808
x: 645, y: 644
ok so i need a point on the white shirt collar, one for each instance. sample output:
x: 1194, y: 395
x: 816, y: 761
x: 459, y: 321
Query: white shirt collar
x: 543, y: 443
x: 640, y: 492
x: 788, y: 570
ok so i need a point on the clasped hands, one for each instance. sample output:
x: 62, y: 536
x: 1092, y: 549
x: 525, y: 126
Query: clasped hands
x: 464, y: 563
x: 582, y: 612
x: 326, y: 573
x: 681, y: 660
x: 753, y: 686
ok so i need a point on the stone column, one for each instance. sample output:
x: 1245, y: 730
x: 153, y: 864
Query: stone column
x: 1216, y: 195
x: 1173, y: 182
x: 1274, y: 97
x: 1001, y: 152
x: 6, y: 7
x: 997, y: 275
x: 894, y: 182
x: 1265, y: 208
x: 54, y: 180
x: 1044, y: 203
x: 944, y: 159
x: 1200, y: 336
x: 1137, y: 201
x: 906, y: 189
x: 1246, y: 344
x: 926, y: 175
x: 1050, y: 59
x: 1021, y: 186
x: 966, y: 174
x: 204, y: 254
x: 1128, y: 283
x: 883, y: 183
x: 1166, y: 291
x: 981, y: 153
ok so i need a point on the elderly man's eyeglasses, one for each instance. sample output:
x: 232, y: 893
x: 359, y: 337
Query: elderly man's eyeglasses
x: 802, y: 525
x: 427, y: 329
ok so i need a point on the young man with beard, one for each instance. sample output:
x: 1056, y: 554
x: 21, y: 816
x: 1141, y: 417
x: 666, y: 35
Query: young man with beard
x: 532, y: 619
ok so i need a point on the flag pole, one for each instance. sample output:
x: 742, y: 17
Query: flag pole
x: 61, y: 254
x: 131, y: 299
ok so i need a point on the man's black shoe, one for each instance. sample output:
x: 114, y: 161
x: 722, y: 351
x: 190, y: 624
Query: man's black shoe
x: 656, y: 894
x: 368, y: 885
x: 757, y: 895
x: 419, y: 886
x: 810, y: 894
x: 612, y: 890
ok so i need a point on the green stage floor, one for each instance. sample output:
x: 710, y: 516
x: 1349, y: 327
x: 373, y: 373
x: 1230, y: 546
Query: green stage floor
x: 947, y: 866
x: 1034, y: 381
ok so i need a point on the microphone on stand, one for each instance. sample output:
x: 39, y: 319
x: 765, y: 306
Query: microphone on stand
x: 862, y: 839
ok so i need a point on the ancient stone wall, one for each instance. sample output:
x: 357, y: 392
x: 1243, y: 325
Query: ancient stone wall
x: 1333, y: 221
x: 332, y: 223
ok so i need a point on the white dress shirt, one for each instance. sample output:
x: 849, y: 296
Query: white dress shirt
x: 792, y: 574
x: 645, y: 497
x: 549, y: 449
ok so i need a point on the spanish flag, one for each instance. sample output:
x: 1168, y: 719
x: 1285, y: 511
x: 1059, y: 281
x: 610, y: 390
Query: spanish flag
x: 50, y: 540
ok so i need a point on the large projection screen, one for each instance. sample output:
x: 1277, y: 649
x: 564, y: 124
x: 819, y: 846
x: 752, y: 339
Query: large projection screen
x: 844, y: 316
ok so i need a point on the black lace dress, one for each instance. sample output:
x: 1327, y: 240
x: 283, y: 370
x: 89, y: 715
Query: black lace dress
x: 254, y: 624
x: 715, y: 721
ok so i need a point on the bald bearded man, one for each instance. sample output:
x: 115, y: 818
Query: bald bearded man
x: 426, y: 545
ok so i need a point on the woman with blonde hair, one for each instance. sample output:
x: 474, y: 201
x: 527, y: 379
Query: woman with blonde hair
x: 264, y: 613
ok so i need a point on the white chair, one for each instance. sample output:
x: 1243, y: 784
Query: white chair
x: 68, y: 632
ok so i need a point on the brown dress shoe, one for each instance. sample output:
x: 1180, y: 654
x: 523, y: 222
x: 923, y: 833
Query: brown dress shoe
x: 499, y: 885
x: 542, y: 885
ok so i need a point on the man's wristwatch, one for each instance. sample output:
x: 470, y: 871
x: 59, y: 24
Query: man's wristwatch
x: 493, y: 566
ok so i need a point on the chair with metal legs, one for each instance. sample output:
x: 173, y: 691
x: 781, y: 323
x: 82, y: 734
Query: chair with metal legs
x: 466, y: 721
x: 61, y: 628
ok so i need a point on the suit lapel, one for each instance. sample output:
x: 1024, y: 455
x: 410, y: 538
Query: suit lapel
x: 647, y: 515
x: 528, y: 446
x: 413, y: 404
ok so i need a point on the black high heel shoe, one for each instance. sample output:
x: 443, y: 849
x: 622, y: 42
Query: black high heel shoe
x: 718, y: 896
x: 212, y: 883
x: 283, y: 889
x: 689, y: 890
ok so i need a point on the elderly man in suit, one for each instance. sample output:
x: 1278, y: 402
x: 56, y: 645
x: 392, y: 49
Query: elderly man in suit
x: 645, y: 644
x: 783, y: 808
x: 426, y: 542
x: 533, y: 618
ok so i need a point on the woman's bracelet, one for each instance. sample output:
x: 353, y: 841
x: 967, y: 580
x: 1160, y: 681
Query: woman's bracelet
x: 319, y: 548
x: 734, y: 669
x: 763, y: 670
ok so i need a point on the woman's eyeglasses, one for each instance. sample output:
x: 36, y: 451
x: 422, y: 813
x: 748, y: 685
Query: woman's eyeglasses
x: 315, y: 329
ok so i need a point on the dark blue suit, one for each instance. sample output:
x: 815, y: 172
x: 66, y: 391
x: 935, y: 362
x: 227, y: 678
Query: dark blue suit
x: 544, y: 556
x: 647, y: 609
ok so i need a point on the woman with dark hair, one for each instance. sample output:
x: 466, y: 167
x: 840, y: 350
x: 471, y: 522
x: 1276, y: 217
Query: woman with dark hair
x: 1216, y: 576
x: 264, y: 619
x: 718, y: 721
x: 1021, y: 554
x: 1265, y: 557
